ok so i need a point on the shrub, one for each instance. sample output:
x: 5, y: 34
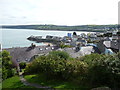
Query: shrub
x: 90, y: 59
x: 4, y: 73
x: 64, y: 46
x: 94, y: 70
x: 103, y: 70
x: 51, y: 66
x: 60, y: 54
x: 22, y: 65
x: 74, y: 69
x: 7, y: 69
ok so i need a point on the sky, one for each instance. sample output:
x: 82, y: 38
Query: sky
x: 58, y: 12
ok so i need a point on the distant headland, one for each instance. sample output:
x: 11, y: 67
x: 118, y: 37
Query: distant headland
x: 88, y: 28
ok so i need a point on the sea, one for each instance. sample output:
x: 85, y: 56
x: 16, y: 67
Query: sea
x: 10, y: 38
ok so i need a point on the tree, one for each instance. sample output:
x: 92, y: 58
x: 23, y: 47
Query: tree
x: 7, y: 69
x: 74, y: 33
x: 22, y: 65
x: 108, y: 35
x: 60, y: 54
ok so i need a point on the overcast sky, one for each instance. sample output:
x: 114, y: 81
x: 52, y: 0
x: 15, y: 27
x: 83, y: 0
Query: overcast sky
x: 58, y: 12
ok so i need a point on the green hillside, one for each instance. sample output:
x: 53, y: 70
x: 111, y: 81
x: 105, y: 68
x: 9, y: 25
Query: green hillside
x: 89, y: 28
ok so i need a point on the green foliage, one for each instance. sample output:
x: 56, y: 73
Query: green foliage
x: 12, y: 83
x: 60, y: 54
x: 57, y: 65
x: 94, y: 70
x: 91, y: 58
x: 57, y: 84
x: 4, y: 73
x: 103, y: 70
x: 107, y: 35
x: 100, y: 28
x: 50, y: 65
x: 95, y: 41
x: 64, y: 46
x: 7, y: 70
x: 74, y: 69
x: 118, y: 55
x: 22, y: 65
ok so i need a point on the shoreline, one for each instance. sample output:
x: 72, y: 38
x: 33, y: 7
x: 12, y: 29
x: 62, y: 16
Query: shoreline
x: 57, y: 30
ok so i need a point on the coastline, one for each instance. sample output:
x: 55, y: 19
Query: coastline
x: 52, y: 27
x: 71, y: 30
x: 56, y: 30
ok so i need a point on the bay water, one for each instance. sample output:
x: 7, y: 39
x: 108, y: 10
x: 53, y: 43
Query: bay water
x: 18, y: 37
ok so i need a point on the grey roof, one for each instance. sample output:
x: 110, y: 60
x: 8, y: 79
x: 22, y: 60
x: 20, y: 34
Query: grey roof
x: 25, y: 55
x: 107, y: 44
x: 83, y: 51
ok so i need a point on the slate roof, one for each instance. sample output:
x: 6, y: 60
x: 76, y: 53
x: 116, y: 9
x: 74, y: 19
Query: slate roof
x: 24, y: 55
x: 83, y: 51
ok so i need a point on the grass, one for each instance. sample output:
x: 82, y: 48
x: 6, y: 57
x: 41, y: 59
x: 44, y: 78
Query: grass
x: 13, y: 82
x: 41, y: 79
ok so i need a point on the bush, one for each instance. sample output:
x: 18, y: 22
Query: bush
x: 74, y: 69
x: 4, y: 73
x: 56, y: 66
x: 60, y: 54
x: 103, y: 70
x: 94, y: 70
x: 64, y: 46
x: 50, y: 65
x: 22, y: 65
x: 89, y: 59
x: 7, y: 70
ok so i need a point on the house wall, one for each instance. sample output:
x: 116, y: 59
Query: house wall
x: 101, y: 46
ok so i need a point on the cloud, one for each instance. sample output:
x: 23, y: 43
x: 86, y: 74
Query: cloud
x: 64, y: 12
